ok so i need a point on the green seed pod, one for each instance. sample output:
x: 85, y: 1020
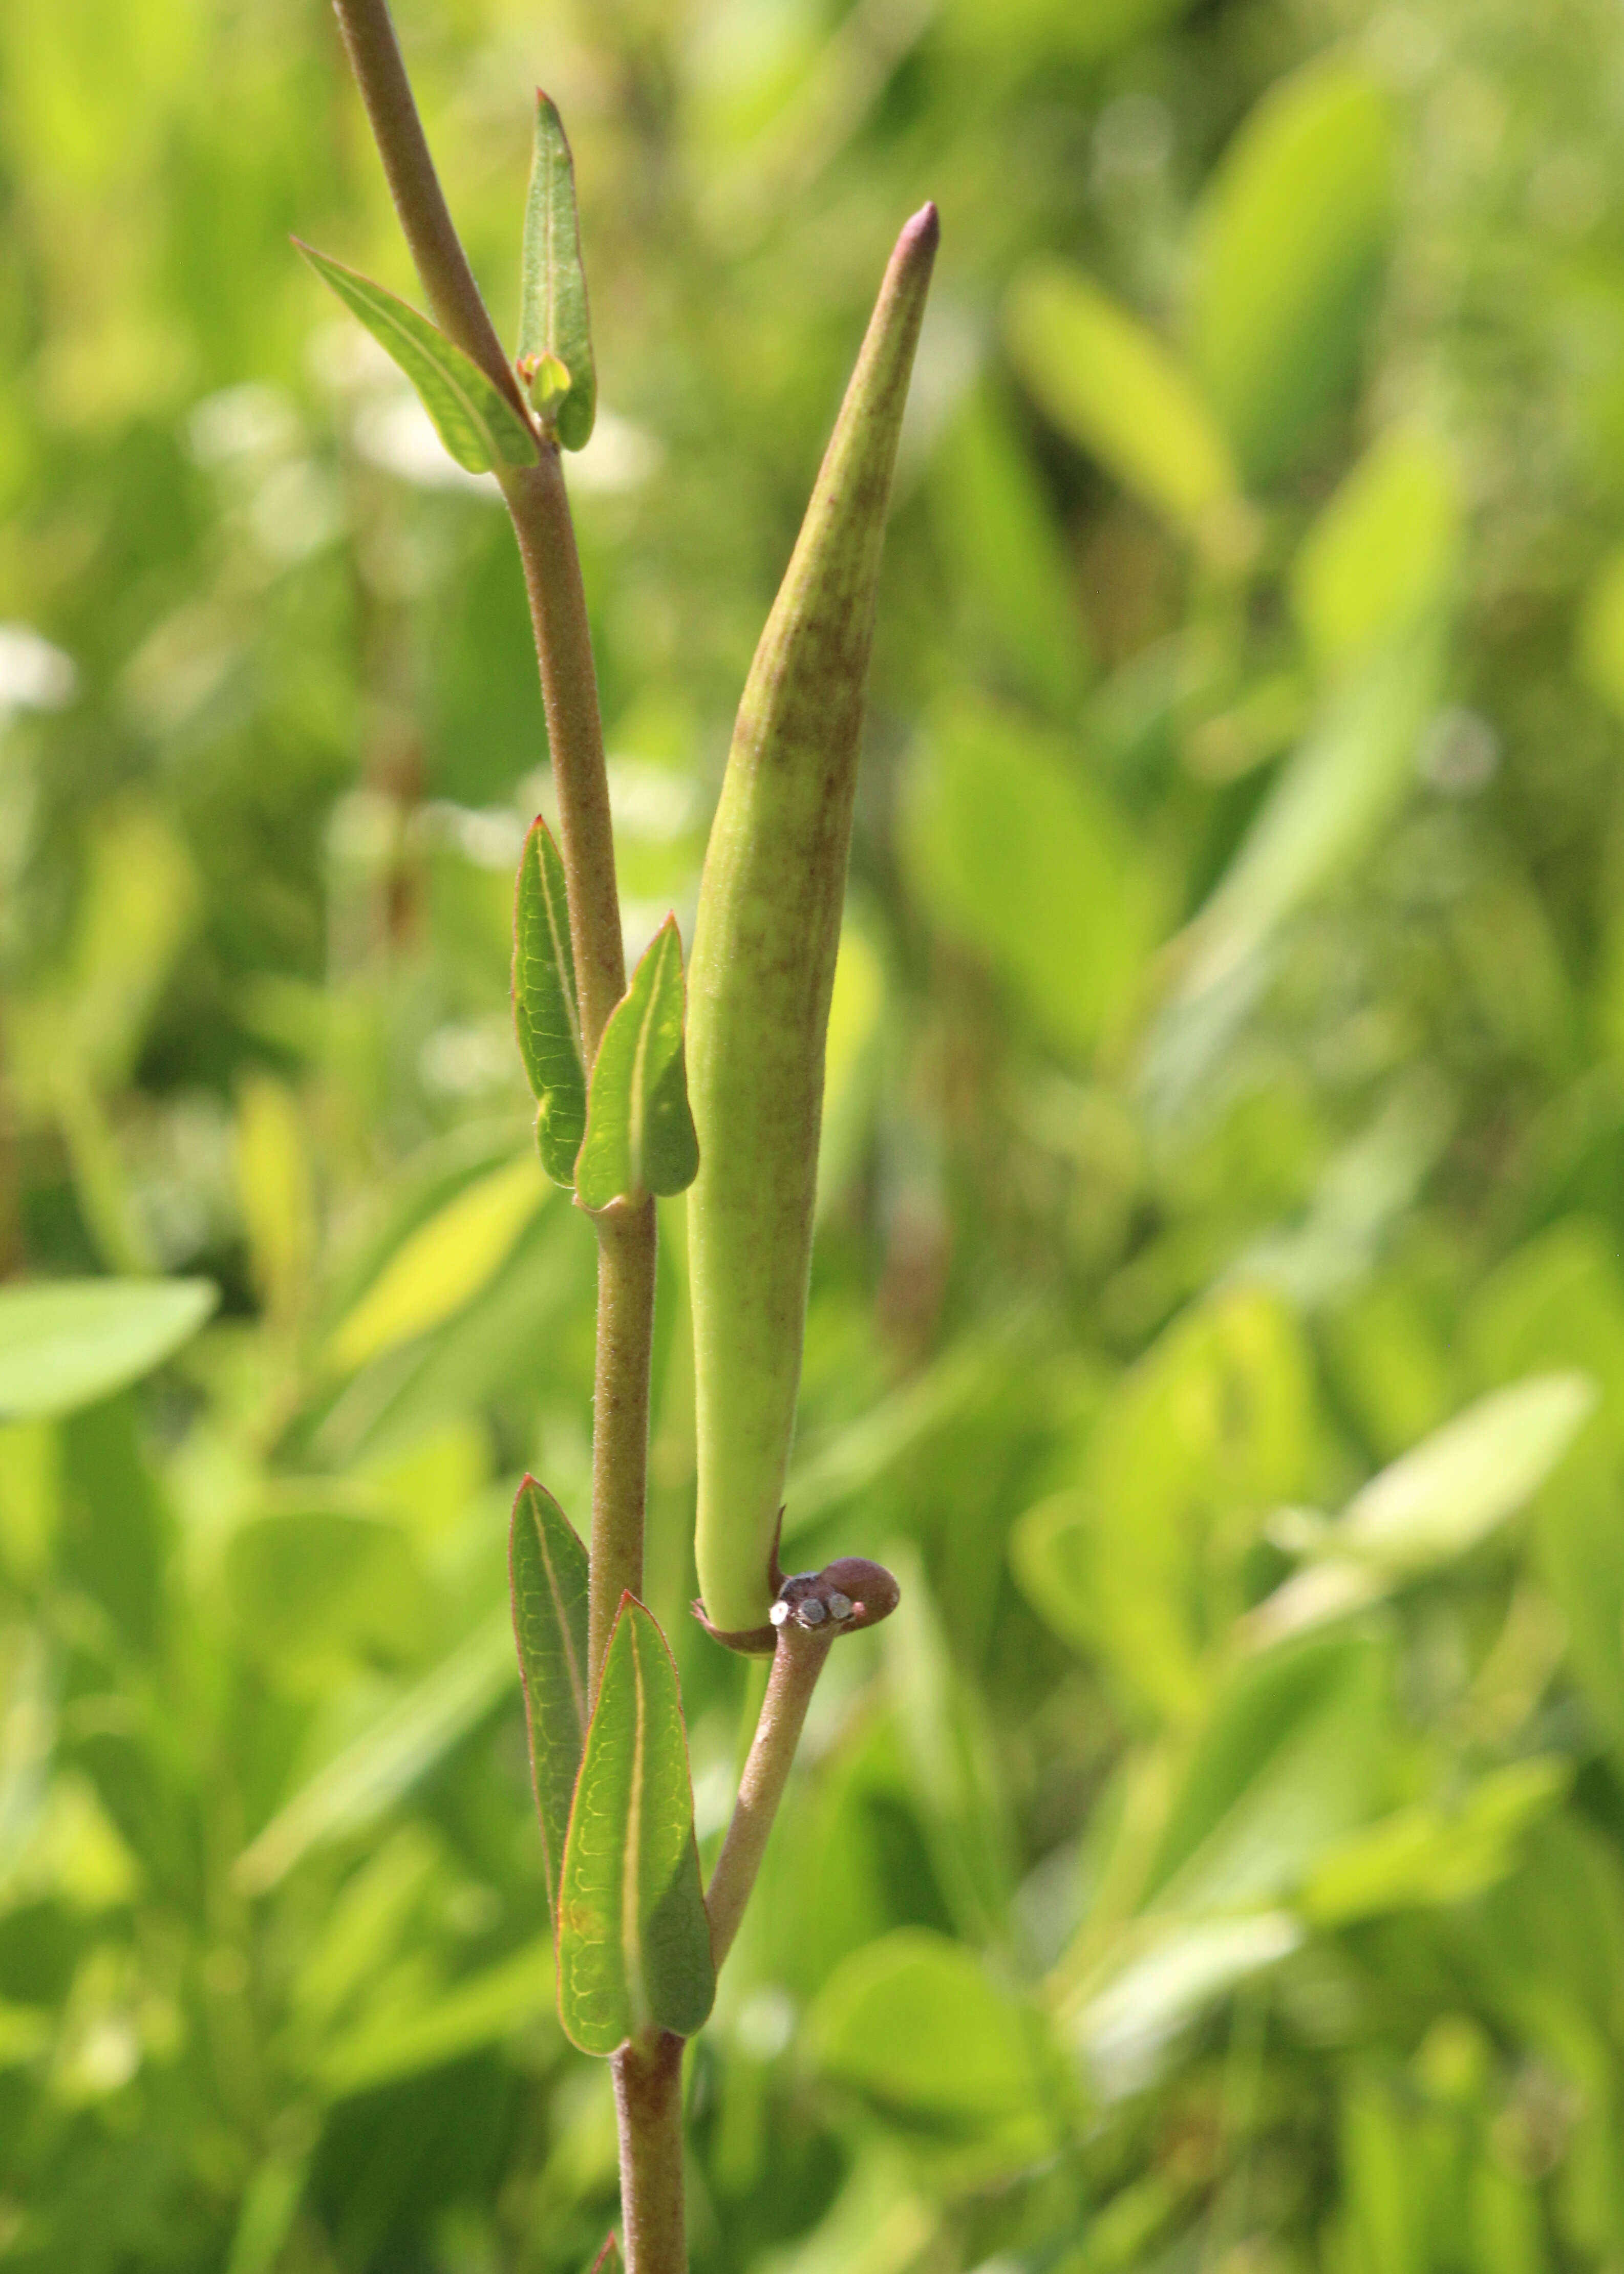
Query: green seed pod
x: 763, y: 960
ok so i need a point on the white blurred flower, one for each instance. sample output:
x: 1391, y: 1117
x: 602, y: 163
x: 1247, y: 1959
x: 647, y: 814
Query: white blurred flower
x: 34, y: 675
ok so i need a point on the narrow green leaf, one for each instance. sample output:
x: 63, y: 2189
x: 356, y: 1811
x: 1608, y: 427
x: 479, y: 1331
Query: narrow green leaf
x: 1112, y: 386
x: 555, y: 326
x: 548, y: 1566
x: 66, y: 1343
x: 473, y: 418
x: 355, y: 1787
x: 633, y: 1940
x: 639, y: 1131
x: 1289, y: 242
x: 1439, y: 1500
x: 545, y: 1006
x: 438, y: 1269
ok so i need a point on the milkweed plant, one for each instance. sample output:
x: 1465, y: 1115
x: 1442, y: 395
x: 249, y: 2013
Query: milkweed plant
x: 708, y: 1082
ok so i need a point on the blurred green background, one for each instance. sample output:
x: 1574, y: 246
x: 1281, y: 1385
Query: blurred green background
x: 1219, y: 1864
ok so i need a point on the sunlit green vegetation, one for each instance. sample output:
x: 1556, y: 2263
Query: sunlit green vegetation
x: 1218, y: 1317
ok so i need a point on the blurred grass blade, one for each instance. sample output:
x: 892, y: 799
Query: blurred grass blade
x: 1124, y: 2027
x: 633, y: 1940
x: 995, y: 522
x: 480, y: 2011
x: 554, y: 319
x: 608, y: 2260
x: 1442, y: 1499
x: 270, y: 2206
x: 355, y: 1788
x: 1323, y: 814
x: 548, y: 1565
x: 1427, y: 1854
x: 473, y: 418
x: 440, y: 1267
x: 639, y: 1129
x: 1108, y: 383
x: 68, y: 1343
x: 546, y: 1010
x: 1433, y: 1505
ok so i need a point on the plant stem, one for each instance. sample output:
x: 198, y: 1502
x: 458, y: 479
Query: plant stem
x: 648, y: 2100
x: 626, y: 1261
x: 797, y: 1661
x: 539, y: 506
x: 425, y: 219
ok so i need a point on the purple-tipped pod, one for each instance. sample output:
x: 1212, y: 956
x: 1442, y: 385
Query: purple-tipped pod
x: 763, y: 960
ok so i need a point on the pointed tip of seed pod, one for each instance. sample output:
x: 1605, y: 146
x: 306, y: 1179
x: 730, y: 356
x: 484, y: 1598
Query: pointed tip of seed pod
x: 924, y: 230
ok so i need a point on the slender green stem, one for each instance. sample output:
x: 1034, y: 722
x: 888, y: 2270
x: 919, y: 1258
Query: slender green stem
x: 625, y: 1237
x: 648, y: 2100
x: 539, y: 508
x: 539, y: 505
x: 626, y: 1262
x: 797, y: 1661
x: 425, y: 219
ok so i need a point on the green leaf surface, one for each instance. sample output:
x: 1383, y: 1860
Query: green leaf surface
x: 67, y: 1342
x: 1028, y: 863
x: 546, y: 1009
x: 311, y: 1588
x: 916, y: 2025
x: 479, y: 2011
x: 639, y: 1131
x: 1445, y: 1496
x: 472, y: 417
x: 1127, y: 2024
x: 1383, y: 552
x: 1331, y: 802
x: 439, y: 1267
x: 633, y: 1940
x: 1424, y: 1854
x: 548, y: 1566
x: 1117, y: 391
x: 1288, y: 248
x: 554, y: 319
x: 1436, y: 1503
x: 355, y: 1787
x: 1140, y: 1563
x: 999, y: 530
x: 1289, y: 1762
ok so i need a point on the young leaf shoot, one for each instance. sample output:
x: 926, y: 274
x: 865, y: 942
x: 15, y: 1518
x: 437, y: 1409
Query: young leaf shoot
x: 639, y: 1131
x: 548, y: 1567
x: 634, y: 1943
x: 555, y: 335
x: 546, y: 1010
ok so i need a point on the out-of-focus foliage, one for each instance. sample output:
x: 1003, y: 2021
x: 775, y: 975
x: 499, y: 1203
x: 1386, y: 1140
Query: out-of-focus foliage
x: 1217, y: 1319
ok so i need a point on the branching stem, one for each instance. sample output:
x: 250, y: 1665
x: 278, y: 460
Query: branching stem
x: 425, y: 219
x: 797, y: 1661
x: 539, y: 506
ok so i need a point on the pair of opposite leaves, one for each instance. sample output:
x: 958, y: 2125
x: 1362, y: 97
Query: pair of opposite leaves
x: 614, y: 1796
x: 630, y: 1132
x: 482, y: 429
